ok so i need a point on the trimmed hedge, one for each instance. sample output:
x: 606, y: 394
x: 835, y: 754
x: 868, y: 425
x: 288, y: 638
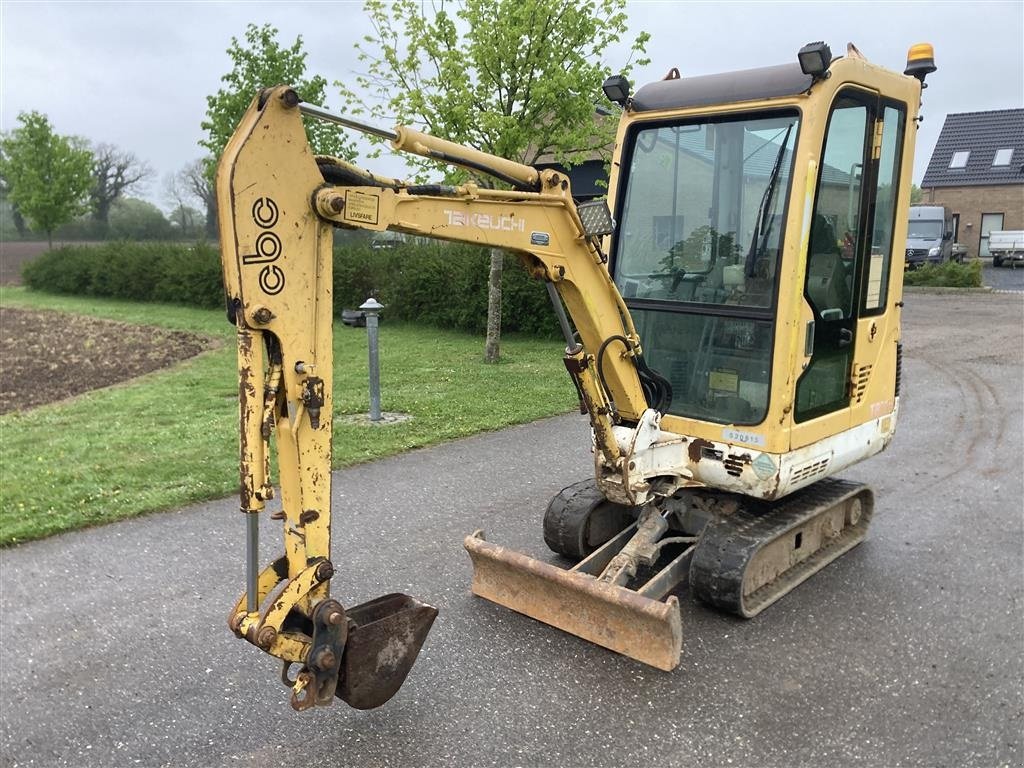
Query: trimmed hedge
x: 438, y: 284
x: 167, y: 272
x: 946, y: 275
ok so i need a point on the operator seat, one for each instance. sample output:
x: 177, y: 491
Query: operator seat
x: 828, y: 285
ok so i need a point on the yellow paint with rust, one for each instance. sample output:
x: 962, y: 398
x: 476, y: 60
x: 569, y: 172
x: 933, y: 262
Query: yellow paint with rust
x: 277, y: 259
x: 276, y: 219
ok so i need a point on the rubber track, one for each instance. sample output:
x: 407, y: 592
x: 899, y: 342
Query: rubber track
x: 728, y: 544
x: 571, y: 517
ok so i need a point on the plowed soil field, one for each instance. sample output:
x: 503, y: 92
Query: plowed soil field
x: 14, y: 255
x: 48, y: 356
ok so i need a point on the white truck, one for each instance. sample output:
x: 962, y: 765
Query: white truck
x: 1006, y: 245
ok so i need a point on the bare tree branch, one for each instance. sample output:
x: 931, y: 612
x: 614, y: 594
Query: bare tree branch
x: 115, y: 173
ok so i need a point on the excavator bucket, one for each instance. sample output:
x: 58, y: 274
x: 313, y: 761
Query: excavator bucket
x: 384, y: 638
x: 611, y: 616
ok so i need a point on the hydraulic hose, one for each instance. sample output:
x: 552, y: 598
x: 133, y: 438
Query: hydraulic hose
x: 657, y: 389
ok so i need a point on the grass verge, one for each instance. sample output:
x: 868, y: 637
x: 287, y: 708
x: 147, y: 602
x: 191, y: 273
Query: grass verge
x: 170, y: 438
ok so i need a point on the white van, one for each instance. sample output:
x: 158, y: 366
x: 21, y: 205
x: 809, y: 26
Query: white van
x: 929, y: 235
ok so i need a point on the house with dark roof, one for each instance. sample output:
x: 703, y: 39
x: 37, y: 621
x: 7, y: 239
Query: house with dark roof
x: 977, y: 172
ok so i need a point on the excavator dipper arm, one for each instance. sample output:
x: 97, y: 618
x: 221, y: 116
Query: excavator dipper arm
x: 277, y: 275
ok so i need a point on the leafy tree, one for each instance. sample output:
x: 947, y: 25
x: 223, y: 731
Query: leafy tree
x: 9, y: 213
x: 49, y: 176
x: 916, y: 194
x: 261, y: 62
x: 516, y: 78
x: 115, y: 173
x: 184, y: 190
x: 18, y: 220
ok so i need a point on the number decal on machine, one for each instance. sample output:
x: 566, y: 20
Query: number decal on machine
x: 738, y: 436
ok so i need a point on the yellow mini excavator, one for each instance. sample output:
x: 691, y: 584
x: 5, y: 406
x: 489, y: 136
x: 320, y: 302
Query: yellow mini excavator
x: 732, y: 330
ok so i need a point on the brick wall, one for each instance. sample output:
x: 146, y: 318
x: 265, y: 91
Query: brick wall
x: 971, y: 202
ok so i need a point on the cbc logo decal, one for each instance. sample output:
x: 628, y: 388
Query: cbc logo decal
x: 264, y: 212
x: 268, y: 246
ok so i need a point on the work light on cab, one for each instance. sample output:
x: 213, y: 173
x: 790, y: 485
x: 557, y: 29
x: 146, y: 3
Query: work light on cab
x: 815, y: 59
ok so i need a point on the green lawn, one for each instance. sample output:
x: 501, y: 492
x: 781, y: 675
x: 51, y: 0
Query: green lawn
x: 170, y: 438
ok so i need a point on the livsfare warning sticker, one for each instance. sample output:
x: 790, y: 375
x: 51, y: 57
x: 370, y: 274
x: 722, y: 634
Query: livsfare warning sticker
x: 360, y: 206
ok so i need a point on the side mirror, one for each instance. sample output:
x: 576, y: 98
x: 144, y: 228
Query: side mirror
x: 948, y: 235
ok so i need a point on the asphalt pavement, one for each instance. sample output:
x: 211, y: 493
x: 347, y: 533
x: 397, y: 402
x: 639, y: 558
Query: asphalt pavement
x: 906, y: 652
x: 1009, y: 278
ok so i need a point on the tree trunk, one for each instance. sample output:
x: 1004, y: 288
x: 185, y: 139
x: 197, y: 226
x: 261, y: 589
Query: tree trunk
x: 212, y: 231
x: 19, y: 221
x: 101, y: 215
x: 492, y: 351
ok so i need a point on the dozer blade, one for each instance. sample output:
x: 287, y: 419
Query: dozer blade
x: 384, y: 639
x: 613, y: 617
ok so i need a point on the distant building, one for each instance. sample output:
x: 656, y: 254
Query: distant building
x: 977, y: 171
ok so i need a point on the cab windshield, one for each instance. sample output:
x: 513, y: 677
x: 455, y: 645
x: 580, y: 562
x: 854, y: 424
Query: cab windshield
x: 925, y: 230
x: 697, y: 253
x: 701, y: 220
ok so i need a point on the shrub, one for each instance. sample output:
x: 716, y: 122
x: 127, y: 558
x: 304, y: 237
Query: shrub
x: 189, y: 276
x: 119, y: 270
x: 356, y: 272
x: 180, y: 274
x: 62, y: 270
x: 946, y: 275
x: 439, y: 284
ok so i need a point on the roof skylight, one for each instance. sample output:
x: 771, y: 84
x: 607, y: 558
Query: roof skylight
x: 1003, y: 156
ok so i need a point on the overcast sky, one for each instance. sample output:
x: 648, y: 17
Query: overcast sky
x: 136, y: 74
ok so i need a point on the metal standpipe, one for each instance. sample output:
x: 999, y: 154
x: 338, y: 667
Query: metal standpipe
x: 372, y: 309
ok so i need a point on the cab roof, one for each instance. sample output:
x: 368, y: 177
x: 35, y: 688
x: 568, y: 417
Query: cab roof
x: 727, y: 87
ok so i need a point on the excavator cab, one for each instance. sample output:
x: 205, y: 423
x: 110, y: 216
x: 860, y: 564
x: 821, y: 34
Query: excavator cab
x: 754, y: 252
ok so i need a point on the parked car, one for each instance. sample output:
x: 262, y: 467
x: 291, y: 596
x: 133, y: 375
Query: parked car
x: 1006, y: 245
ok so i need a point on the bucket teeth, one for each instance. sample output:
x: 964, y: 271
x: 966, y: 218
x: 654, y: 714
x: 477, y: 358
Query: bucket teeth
x: 613, y: 617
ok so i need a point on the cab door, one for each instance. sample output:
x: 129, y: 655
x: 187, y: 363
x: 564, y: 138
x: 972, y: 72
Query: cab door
x: 836, y: 251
